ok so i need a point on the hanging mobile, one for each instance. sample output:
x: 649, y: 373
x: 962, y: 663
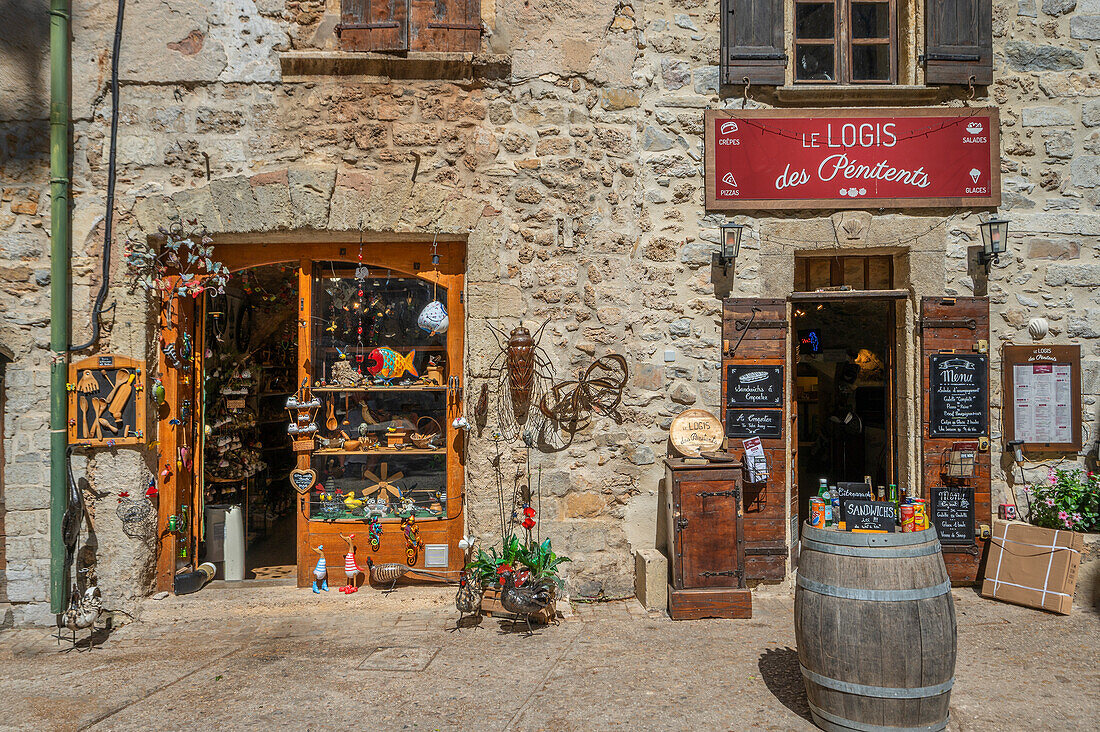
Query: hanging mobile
x: 433, y: 318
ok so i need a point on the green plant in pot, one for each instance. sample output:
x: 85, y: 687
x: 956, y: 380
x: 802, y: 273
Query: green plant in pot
x: 539, y: 560
x: 485, y: 564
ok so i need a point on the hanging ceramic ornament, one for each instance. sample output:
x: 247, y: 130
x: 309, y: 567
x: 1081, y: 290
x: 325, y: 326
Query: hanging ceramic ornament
x: 433, y: 318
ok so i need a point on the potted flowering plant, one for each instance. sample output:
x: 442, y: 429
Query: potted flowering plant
x: 1069, y: 499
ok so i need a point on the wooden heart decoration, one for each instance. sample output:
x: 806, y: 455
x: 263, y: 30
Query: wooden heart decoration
x: 303, y: 480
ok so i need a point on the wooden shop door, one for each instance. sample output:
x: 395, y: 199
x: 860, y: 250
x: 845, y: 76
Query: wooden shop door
x: 177, y: 424
x: 754, y: 334
x: 949, y: 326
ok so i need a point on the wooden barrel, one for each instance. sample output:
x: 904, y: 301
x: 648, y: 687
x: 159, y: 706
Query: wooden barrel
x: 875, y: 624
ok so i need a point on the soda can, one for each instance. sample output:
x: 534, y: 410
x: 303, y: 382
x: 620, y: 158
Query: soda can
x: 817, y: 513
x: 920, y: 514
x: 908, y: 524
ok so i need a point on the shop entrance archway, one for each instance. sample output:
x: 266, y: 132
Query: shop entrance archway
x: 356, y: 306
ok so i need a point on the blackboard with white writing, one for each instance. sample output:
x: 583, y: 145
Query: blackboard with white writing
x: 870, y: 516
x: 765, y: 423
x: 754, y: 386
x: 852, y: 492
x: 953, y: 513
x: 958, y: 400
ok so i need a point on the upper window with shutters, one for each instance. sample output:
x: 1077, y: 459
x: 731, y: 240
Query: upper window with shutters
x: 857, y: 42
x: 410, y: 25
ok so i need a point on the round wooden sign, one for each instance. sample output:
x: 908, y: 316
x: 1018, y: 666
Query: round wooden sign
x: 694, y: 431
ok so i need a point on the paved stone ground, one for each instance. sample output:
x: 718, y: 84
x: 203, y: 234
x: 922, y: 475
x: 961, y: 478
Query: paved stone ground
x: 267, y: 655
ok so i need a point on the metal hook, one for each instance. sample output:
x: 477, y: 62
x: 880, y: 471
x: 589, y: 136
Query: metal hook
x: 745, y: 95
x: 970, y: 86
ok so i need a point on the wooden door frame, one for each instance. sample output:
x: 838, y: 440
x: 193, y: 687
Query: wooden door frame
x: 403, y: 256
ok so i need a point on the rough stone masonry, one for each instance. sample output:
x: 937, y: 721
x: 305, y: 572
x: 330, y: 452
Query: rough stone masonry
x: 577, y: 177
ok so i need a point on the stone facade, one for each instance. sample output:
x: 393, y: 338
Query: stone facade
x: 575, y: 175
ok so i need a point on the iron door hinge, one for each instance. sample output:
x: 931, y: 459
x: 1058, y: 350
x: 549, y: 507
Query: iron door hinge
x: 731, y: 493
x: 948, y: 323
x: 724, y: 573
x: 742, y: 324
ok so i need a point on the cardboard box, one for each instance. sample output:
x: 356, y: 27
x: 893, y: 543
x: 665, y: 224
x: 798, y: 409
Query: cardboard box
x: 1032, y: 566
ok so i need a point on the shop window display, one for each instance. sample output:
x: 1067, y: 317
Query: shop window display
x: 379, y: 366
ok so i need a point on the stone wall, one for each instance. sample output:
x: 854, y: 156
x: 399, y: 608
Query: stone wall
x: 576, y: 180
x: 24, y: 315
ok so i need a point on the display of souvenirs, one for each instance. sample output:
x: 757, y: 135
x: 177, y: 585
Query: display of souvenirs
x: 379, y: 374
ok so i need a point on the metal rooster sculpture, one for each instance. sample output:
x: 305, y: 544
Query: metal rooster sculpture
x: 84, y: 609
x: 468, y: 597
x: 525, y: 601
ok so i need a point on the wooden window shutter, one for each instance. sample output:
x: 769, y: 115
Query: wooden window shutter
x: 445, y: 25
x: 374, y: 25
x: 946, y: 325
x: 754, y: 332
x: 959, y: 41
x: 752, y: 42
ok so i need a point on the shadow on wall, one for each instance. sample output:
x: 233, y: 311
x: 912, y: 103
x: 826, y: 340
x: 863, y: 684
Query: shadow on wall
x: 24, y: 80
x: 781, y: 673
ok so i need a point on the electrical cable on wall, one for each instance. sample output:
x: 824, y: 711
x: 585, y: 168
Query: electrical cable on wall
x: 109, y: 216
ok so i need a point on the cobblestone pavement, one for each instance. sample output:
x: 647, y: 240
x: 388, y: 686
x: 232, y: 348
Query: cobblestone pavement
x: 267, y: 654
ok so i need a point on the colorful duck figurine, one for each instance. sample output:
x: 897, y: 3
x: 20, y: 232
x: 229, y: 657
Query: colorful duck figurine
x: 351, y: 569
x: 388, y: 364
x: 320, y: 570
x: 352, y: 502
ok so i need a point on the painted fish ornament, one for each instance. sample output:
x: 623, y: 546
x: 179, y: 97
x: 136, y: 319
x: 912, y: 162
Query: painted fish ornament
x: 433, y: 318
x: 389, y: 364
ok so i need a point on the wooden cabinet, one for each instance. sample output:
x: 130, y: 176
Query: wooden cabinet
x: 706, y: 541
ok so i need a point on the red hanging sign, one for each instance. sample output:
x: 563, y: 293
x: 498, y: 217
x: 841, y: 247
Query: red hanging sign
x: 852, y: 158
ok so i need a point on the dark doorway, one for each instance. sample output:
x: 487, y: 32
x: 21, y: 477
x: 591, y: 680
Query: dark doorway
x: 844, y: 358
x: 250, y: 364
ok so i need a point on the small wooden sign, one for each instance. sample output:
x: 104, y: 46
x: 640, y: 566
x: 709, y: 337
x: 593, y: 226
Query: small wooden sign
x: 303, y: 445
x: 303, y: 480
x: 694, y: 431
x: 871, y: 517
x: 107, y: 401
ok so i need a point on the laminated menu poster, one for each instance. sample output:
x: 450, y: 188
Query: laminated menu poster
x: 958, y: 399
x: 1042, y: 398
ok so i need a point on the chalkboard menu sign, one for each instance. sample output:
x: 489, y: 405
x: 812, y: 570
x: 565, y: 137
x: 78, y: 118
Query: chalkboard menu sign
x: 748, y: 385
x: 870, y: 516
x: 958, y: 399
x: 852, y: 492
x: 765, y: 423
x: 953, y: 513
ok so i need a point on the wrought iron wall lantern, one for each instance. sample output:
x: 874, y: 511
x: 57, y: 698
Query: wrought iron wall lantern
x: 731, y: 244
x: 994, y: 240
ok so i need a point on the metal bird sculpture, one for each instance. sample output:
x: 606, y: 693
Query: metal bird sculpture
x: 391, y: 572
x: 524, y: 601
x: 468, y: 596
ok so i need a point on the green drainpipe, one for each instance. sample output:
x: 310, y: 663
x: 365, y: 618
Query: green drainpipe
x: 60, y: 296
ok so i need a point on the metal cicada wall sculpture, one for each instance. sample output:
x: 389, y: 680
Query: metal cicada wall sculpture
x: 523, y: 374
